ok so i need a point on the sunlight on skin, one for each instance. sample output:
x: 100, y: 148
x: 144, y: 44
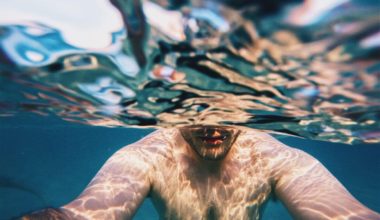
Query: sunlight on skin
x: 233, y: 185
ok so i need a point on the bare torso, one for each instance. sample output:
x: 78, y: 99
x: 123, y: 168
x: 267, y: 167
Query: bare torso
x: 186, y: 187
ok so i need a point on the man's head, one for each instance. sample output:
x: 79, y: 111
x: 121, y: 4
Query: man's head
x: 211, y: 142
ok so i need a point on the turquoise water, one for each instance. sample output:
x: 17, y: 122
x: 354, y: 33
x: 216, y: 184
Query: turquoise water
x: 72, y: 86
x: 50, y: 165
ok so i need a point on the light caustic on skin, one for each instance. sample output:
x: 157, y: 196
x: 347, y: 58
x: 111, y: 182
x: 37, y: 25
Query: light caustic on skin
x: 226, y: 172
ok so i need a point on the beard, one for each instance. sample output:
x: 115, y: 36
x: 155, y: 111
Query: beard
x: 215, y: 153
x: 210, y: 142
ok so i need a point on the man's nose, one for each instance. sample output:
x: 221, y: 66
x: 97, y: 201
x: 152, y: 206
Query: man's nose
x: 216, y: 133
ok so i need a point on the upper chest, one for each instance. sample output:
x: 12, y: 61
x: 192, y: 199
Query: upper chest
x: 235, y: 189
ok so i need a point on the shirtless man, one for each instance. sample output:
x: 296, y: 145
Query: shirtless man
x: 211, y: 172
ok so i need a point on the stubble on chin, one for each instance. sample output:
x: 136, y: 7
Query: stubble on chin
x: 216, y: 153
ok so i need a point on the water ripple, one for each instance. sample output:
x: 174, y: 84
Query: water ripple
x: 306, y: 71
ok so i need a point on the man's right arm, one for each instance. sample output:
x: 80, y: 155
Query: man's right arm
x: 48, y: 214
x: 117, y: 190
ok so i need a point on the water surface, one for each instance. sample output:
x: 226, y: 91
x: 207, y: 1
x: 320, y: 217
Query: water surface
x: 306, y: 70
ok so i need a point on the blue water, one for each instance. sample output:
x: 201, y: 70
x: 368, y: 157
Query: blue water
x: 53, y: 65
x: 50, y: 165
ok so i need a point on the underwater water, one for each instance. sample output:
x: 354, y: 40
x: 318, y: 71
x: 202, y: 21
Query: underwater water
x: 75, y: 87
x: 44, y: 166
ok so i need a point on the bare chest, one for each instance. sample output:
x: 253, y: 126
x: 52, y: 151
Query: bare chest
x: 181, y: 191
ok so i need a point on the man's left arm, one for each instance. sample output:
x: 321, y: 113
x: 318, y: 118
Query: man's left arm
x: 310, y: 191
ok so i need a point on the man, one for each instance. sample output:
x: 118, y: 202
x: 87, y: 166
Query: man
x: 211, y: 172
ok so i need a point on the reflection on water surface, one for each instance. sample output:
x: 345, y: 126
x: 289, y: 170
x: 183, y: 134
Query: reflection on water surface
x: 310, y: 70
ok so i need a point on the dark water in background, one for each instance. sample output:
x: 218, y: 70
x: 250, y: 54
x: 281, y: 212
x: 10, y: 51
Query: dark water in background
x: 319, y: 81
x: 52, y: 164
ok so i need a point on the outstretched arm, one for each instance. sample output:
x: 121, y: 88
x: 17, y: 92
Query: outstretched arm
x: 310, y: 191
x: 116, y: 192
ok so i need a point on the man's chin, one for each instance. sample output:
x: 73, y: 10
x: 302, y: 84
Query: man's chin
x: 213, y: 154
x: 213, y: 158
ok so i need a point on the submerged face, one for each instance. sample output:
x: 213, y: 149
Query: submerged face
x: 210, y: 142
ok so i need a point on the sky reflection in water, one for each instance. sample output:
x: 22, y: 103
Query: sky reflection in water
x: 310, y: 70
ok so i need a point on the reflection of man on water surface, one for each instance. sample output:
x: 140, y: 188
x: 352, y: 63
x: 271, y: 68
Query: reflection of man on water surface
x: 211, y: 172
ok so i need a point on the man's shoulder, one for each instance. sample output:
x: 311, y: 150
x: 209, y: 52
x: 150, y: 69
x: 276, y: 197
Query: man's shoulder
x: 254, y: 137
x: 157, y: 142
x: 264, y: 144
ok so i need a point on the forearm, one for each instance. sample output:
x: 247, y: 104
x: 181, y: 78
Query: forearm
x: 48, y: 214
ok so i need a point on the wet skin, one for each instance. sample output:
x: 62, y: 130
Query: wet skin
x: 211, y: 173
x: 210, y: 142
